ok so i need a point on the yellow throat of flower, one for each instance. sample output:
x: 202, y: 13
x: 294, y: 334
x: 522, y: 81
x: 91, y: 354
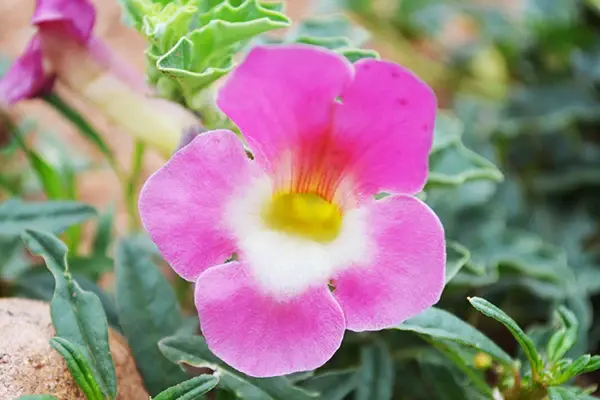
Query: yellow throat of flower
x: 304, y: 214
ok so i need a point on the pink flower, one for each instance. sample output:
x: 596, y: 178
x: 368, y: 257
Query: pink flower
x: 327, y: 136
x: 65, y: 49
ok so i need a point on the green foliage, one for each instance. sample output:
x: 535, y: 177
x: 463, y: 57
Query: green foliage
x: 524, y: 341
x: 375, y: 379
x: 37, y: 397
x: 442, y: 326
x: 148, y: 311
x: 77, y: 315
x: 191, y: 389
x: 551, y: 370
x: 193, y: 351
x: 78, y: 366
x: 451, y: 163
x: 334, y: 33
x: 17, y: 216
x: 192, y: 44
x: 333, y: 385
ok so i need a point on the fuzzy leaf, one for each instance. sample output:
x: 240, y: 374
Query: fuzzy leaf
x: 565, y: 338
x: 451, y: 163
x: 332, y: 385
x: 78, y: 366
x: 52, y: 216
x: 192, y: 350
x: 77, y: 315
x: 191, y: 389
x: 376, y: 374
x: 457, y: 256
x: 525, y: 341
x: 148, y: 311
x: 440, y: 325
x: 192, y: 46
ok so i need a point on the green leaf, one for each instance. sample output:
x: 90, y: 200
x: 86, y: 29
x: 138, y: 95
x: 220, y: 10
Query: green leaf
x: 332, y: 385
x: 92, y: 266
x: 50, y: 179
x: 453, y: 164
x: 567, y: 393
x: 440, y: 325
x: 83, y: 126
x: 37, y: 397
x: 457, y: 256
x: 581, y: 365
x: 192, y: 350
x: 104, y: 231
x: 334, y: 32
x: 53, y: 216
x: 524, y: 341
x: 565, y: 338
x: 38, y: 283
x: 77, y: 315
x: 445, y: 383
x: 375, y: 378
x: 462, y: 359
x: 192, y: 48
x: 78, y: 366
x: 191, y: 389
x: 148, y: 311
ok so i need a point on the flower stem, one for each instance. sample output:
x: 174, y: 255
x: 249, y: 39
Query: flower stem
x: 131, y: 190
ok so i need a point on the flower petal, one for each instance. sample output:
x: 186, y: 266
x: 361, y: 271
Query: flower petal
x: 26, y: 78
x: 72, y: 18
x: 260, y: 335
x: 281, y: 95
x: 182, y: 205
x: 386, y: 120
x: 406, y: 272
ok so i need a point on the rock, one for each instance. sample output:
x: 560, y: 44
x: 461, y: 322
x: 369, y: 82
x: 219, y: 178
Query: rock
x: 28, y: 365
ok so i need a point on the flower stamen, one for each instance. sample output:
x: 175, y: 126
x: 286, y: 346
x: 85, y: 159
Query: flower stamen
x: 308, y: 215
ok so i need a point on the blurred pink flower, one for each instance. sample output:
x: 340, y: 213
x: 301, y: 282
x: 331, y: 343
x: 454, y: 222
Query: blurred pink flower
x: 65, y: 49
x: 315, y: 252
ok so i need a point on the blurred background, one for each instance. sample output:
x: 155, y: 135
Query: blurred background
x: 516, y: 183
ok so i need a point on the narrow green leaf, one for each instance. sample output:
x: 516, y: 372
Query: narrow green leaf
x: 148, y: 311
x: 462, y: 358
x: 592, y: 365
x: 567, y: 393
x: 524, y: 341
x: 104, y: 230
x: 565, y: 338
x: 78, y: 366
x: 92, y: 266
x: 77, y: 315
x: 442, y: 382
x: 191, y: 389
x: 38, y: 283
x: 457, y: 256
x: 441, y: 325
x: 332, y: 385
x: 37, y: 397
x: 577, y: 366
x: 49, y: 177
x: 52, y: 216
x: 83, y: 126
x: 376, y: 375
x: 192, y: 350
